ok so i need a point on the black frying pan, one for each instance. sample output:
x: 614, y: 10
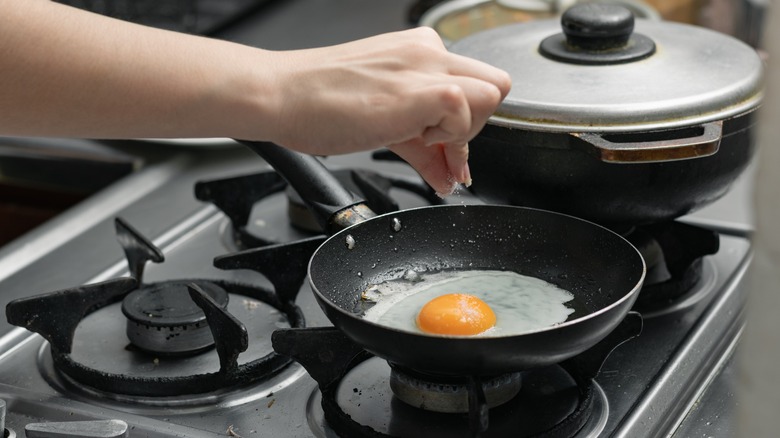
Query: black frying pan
x: 601, y: 269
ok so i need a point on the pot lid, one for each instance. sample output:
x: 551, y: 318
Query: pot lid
x: 456, y: 19
x: 602, y: 76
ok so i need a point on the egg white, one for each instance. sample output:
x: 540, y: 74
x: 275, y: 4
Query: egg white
x: 521, y: 303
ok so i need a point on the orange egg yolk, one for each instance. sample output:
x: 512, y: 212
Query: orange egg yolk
x: 456, y: 314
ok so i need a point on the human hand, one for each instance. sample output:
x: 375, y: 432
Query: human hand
x: 401, y: 90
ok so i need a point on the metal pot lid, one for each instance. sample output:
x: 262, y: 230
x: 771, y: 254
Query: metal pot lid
x: 602, y: 76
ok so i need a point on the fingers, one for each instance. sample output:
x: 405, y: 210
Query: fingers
x: 455, y: 111
x: 465, y: 66
x: 441, y: 166
x: 457, y: 156
x: 429, y: 162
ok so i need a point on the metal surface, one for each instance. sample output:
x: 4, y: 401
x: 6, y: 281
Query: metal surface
x: 647, y: 150
x: 451, y: 397
x: 696, y: 76
x: 714, y: 413
x: 62, y: 164
x: 79, y: 429
x: 278, y: 406
x: 664, y: 406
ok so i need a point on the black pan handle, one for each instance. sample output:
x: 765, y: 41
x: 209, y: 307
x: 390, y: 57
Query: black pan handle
x: 334, y: 206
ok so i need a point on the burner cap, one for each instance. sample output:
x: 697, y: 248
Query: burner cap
x: 452, y: 395
x: 162, y: 318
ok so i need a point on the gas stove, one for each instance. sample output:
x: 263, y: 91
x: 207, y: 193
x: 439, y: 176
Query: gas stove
x: 269, y: 376
x: 132, y: 367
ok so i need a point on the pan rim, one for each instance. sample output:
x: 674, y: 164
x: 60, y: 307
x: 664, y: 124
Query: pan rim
x: 628, y: 296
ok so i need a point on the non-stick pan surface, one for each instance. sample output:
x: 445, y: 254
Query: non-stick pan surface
x: 601, y: 269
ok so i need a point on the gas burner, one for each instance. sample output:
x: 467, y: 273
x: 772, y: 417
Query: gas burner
x: 162, y: 319
x: 263, y: 210
x: 551, y: 403
x: 448, y: 394
x: 356, y: 397
x: 673, y: 253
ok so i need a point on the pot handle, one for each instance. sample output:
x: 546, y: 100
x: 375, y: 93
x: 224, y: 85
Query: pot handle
x: 653, y: 147
x: 334, y: 206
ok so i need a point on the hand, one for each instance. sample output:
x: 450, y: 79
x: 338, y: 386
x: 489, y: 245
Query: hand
x: 402, y: 90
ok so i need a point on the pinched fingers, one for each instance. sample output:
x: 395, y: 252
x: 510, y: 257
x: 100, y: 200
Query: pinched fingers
x: 430, y: 162
x: 457, y: 109
x: 452, y: 114
x: 464, y: 66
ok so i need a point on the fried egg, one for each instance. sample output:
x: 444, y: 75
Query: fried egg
x: 468, y: 303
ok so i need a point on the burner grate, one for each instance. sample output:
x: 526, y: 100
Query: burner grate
x: 673, y: 252
x: 329, y: 356
x: 56, y: 316
x: 287, y: 218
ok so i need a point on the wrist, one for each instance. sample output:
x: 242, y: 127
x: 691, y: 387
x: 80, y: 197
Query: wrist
x: 243, y: 100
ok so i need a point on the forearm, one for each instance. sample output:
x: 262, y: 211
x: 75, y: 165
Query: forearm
x: 69, y: 73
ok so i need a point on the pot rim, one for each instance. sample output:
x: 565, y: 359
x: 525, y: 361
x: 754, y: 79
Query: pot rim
x: 745, y: 107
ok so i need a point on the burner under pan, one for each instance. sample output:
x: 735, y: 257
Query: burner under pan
x: 551, y: 404
x: 449, y: 395
x: 355, y: 395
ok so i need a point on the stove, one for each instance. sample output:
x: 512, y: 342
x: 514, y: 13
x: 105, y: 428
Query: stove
x: 169, y: 306
x: 111, y: 353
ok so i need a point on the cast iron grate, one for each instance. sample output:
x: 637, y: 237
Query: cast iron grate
x: 56, y: 315
x: 237, y: 197
x: 328, y: 356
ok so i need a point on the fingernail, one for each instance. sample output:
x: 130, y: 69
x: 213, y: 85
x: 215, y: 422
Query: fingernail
x: 466, y: 175
x: 450, y: 189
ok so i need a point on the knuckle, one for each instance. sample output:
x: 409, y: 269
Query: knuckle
x: 425, y: 38
x: 451, y: 97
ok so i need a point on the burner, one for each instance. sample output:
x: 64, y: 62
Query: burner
x: 449, y: 394
x: 163, y: 319
x: 91, y: 315
x: 263, y: 210
x: 551, y: 403
x: 356, y: 397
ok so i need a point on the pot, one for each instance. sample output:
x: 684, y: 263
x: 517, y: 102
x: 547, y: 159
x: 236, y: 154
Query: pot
x: 603, y: 271
x: 611, y: 125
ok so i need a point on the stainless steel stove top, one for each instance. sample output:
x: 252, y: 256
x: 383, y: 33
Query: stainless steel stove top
x: 648, y: 383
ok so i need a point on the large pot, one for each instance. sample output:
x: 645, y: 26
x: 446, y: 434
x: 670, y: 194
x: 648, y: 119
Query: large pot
x: 611, y: 125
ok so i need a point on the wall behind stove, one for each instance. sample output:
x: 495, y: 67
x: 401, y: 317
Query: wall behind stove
x: 759, y: 398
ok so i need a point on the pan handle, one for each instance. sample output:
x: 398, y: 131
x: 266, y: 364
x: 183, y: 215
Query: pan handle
x: 654, y: 147
x: 334, y: 206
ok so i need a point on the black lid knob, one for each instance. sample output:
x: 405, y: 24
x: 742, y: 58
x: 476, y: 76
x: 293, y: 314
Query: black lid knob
x: 597, y: 34
x: 597, y: 25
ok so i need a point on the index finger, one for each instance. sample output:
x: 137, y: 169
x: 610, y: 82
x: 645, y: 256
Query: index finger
x: 460, y: 65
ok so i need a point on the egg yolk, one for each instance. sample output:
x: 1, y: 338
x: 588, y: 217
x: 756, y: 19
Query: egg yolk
x: 456, y: 314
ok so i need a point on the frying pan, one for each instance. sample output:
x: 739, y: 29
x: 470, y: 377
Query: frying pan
x: 601, y: 269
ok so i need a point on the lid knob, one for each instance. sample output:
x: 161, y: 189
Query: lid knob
x: 598, y: 34
x: 597, y: 26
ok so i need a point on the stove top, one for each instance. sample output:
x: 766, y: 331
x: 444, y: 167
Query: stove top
x: 643, y: 388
